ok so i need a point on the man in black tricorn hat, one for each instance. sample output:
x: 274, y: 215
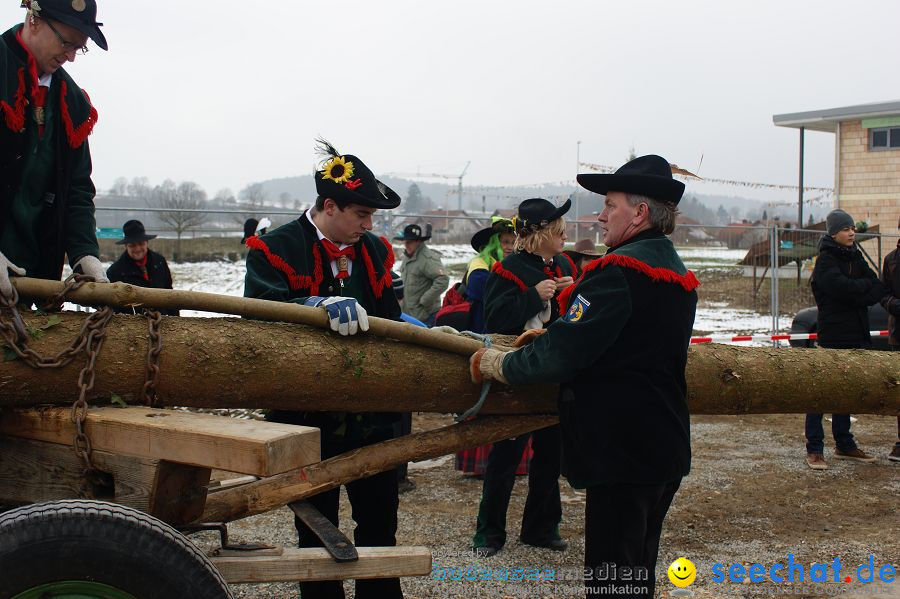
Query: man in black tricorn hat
x: 329, y: 258
x: 619, y: 353
x: 139, y: 265
x: 46, y: 193
x: 423, y: 274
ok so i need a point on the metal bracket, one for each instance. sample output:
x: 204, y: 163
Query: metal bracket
x: 222, y: 529
x: 336, y: 543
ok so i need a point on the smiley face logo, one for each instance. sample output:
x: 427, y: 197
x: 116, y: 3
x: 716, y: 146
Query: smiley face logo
x: 682, y: 572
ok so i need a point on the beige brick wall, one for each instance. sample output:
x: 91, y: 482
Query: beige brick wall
x: 869, y: 181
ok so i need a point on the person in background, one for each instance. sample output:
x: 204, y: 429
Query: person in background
x: 844, y: 286
x: 493, y: 244
x: 423, y: 274
x: 253, y: 227
x: 139, y: 265
x: 583, y: 254
x: 329, y: 258
x: 623, y: 401
x: 521, y: 295
x: 890, y: 278
x: 46, y: 192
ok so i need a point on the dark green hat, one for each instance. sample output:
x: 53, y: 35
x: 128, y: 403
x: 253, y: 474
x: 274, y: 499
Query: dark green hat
x: 80, y: 14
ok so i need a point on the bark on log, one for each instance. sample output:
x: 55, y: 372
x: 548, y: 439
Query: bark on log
x: 234, y: 363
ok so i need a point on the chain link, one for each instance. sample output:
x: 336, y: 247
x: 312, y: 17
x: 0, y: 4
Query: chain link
x: 154, y: 347
x: 89, y: 340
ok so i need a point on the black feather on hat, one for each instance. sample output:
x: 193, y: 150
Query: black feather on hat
x: 347, y: 180
x: 649, y: 176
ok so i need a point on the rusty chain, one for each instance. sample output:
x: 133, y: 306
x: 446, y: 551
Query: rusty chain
x: 154, y: 347
x: 89, y: 340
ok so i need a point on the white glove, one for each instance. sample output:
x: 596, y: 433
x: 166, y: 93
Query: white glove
x: 92, y: 267
x: 5, y: 286
x: 540, y: 319
x: 445, y: 329
x: 345, y: 315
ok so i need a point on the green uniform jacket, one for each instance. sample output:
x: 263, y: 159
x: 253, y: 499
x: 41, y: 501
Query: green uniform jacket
x: 289, y: 264
x: 620, y: 351
x: 46, y: 193
x: 423, y: 282
x: 510, y: 298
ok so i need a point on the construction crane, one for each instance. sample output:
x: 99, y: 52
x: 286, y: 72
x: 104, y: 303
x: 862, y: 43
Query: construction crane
x: 459, y: 179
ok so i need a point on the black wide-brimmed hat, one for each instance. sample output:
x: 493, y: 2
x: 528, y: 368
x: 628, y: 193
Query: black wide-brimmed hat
x: 347, y: 180
x: 249, y: 229
x: 536, y: 213
x: 498, y: 225
x: 649, y: 176
x: 80, y: 14
x: 414, y: 233
x: 134, y: 233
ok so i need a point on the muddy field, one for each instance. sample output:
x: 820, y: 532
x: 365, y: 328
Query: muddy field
x: 750, y: 498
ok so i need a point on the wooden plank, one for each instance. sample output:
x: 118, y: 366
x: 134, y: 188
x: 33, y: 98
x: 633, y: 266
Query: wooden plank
x: 33, y: 471
x: 237, y: 445
x: 315, y: 564
x: 179, y: 492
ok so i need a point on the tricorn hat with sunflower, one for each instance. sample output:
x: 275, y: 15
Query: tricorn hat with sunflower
x: 347, y: 180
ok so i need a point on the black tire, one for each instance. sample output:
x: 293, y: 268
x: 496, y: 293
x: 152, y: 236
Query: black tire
x: 105, y: 543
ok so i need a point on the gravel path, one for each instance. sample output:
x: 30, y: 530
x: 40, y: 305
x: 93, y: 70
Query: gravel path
x: 749, y: 499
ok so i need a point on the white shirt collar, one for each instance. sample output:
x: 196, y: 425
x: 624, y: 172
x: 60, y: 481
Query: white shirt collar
x: 44, y: 80
x: 320, y: 235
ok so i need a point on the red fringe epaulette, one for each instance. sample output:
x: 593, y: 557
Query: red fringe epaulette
x: 688, y: 281
x: 385, y: 281
x: 509, y: 276
x: 14, y: 116
x: 295, y: 281
x: 571, y: 264
x: 76, y: 135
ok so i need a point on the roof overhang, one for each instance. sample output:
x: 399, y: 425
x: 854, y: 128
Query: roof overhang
x: 828, y: 120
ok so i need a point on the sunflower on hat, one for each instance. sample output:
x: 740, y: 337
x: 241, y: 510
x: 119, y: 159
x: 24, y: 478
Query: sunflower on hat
x: 338, y: 169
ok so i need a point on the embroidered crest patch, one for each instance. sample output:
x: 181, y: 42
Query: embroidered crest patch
x: 577, y: 309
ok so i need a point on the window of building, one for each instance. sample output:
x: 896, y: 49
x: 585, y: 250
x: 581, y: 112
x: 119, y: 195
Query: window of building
x: 884, y: 138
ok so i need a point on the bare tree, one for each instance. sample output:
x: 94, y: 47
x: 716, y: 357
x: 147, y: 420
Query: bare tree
x: 252, y: 202
x: 119, y: 187
x: 284, y: 198
x: 178, y: 202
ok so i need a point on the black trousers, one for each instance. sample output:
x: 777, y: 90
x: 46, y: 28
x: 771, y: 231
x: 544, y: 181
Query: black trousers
x: 543, y: 511
x: 622, y: 526
x: 373, y: 502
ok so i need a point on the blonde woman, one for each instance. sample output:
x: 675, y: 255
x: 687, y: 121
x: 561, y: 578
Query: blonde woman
x: 521, y: 295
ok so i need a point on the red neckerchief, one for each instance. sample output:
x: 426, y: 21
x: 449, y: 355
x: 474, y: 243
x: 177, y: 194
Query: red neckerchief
x: 336, y: 254
x: 38, y: 92
x: 554, y: 273
x: 142, y: 264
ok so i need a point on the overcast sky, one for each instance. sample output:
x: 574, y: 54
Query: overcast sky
x: 227, y: 92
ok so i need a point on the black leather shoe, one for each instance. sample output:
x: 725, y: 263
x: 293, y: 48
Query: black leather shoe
x: 552, y: 544
x: 486, y: 551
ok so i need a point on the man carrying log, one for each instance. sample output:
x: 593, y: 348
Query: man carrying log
x: 329, y: 258
x: 620, y: 353
x: 46, y: 193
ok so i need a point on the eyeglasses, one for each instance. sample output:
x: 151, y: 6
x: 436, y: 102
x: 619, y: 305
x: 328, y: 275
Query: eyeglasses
x: 67, y: 46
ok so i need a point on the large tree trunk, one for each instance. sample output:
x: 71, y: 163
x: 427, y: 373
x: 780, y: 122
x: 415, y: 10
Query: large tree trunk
x: 233, y: 363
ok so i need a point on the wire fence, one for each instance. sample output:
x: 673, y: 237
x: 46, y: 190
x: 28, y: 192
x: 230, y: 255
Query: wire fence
x: 754, y: 277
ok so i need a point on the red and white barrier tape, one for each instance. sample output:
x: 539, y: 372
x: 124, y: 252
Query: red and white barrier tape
x: 784, y: 337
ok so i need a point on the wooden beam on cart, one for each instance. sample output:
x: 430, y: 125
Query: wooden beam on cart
x: 316, y: 564
x: 236, y: 445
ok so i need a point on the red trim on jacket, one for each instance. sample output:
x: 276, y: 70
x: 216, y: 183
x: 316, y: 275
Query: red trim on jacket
x: 77, y: 135
x: 498, y: 270
x: 15, y: 115
x: 687, y: 281
x: 571, y: 263
x: 295, y: 281
x: 385, y: 281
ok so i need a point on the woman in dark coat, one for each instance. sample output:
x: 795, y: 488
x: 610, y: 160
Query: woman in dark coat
x: 844, y: 286
x: 521, y: 295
